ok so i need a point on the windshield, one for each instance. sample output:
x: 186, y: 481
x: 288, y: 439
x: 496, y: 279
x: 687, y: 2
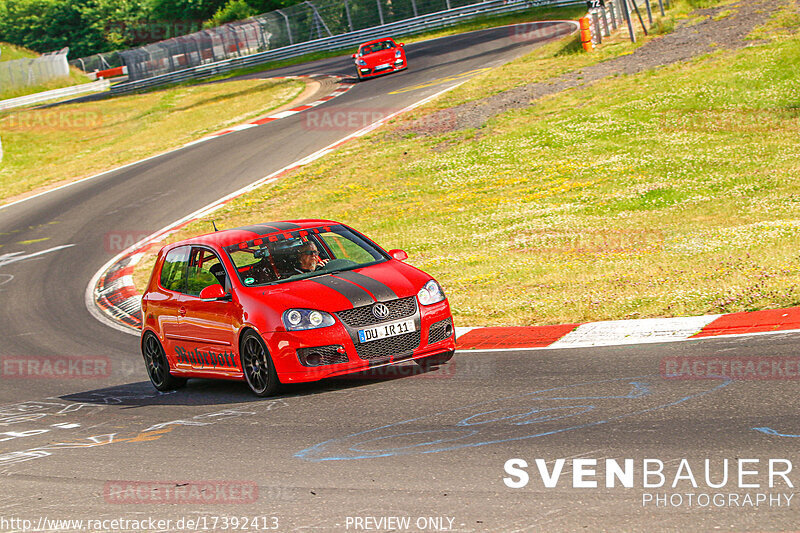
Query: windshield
x: 376, y: 47
x: 299, y: 254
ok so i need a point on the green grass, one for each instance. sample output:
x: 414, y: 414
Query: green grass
x: 10, y: 52
x: 785, y: 23
x: 724, y: 14
x: 672, y: 192
x: 84, y: 139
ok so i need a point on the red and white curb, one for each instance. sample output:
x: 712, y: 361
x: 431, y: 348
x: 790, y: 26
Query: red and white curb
x: 277, y: 116
x: 622, y: 332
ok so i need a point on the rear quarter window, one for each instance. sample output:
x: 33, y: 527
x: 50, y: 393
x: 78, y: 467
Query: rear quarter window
x: 173, y: 270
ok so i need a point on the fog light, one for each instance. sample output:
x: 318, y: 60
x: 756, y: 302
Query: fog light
x: 313, y: 359
x: 448, y: 330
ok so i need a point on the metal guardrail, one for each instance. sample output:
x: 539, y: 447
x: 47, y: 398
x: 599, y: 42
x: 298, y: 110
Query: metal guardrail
x: 405, y: 27
x: 95, y: 86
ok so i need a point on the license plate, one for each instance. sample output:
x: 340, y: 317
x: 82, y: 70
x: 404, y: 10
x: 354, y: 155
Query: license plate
x: 381, y: 67
x: 386, y: 330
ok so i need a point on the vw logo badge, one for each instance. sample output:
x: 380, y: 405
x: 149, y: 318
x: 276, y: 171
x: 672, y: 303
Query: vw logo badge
x: 380, y: 311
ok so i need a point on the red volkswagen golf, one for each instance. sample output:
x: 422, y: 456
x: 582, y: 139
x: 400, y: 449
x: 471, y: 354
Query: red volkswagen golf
x: 380, y: 56
x: 288, y: 302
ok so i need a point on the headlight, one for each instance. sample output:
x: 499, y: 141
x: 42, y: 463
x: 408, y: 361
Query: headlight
x: 361, y: 62
x: 293, y: 317
x: 397, y: 53
x: 300, y: 319
x: 431, y: 293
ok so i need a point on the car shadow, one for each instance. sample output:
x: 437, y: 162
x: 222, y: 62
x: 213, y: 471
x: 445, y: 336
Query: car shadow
x: 203, y: 392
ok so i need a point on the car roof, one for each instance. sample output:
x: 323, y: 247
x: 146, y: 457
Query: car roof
x: 231, y: 236
x: 377, y: 41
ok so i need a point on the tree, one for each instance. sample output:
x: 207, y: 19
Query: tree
x: 85, y: 26
x: 92, y: 26
x: 233, y: 10
x: 196, y: 10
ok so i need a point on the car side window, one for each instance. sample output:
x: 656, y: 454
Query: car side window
x: 173, y: 271
x: 205, y: 269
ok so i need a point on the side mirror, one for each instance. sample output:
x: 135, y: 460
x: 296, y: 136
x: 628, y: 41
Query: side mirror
x: 400, y: 255
x: 354, y: 56
x: 401, y: 44
x: 212, y: 293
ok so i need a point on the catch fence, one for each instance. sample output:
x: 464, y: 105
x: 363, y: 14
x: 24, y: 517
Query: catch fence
x: 26, y: 72
x: 308, y: 27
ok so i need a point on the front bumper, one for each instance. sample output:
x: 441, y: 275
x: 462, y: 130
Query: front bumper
x: 368, y: 72
x: 435, y: 331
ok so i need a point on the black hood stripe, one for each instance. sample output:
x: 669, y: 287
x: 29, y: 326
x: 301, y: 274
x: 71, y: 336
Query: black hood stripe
x: 354, y: 293
x: 381, y: 291
x: 283, y: 226
x: 268, y: 227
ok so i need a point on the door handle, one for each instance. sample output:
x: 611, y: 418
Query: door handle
x: 182, y: 311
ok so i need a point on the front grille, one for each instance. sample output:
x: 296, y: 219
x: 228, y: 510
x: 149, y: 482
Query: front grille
x: 362, y: 316
x: 328, y: 355
x: 400, y: 345
x: 440, y: 331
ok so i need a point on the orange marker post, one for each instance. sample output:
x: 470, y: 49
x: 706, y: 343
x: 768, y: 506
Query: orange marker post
x: 586, y: 34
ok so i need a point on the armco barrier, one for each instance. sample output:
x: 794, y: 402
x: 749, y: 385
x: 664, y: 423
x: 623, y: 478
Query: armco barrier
x: 405, y: 27
x: 95, y: 86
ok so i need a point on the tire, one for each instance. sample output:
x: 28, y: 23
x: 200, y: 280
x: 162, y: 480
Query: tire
x: 155, y: 360
x: 434, y: 360
x: 257, y: 366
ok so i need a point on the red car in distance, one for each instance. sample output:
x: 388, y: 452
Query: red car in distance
x: 380, y: 56
x: 288, y: 302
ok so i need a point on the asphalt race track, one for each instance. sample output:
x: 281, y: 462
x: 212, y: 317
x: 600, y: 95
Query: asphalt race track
x: 367, y: 452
